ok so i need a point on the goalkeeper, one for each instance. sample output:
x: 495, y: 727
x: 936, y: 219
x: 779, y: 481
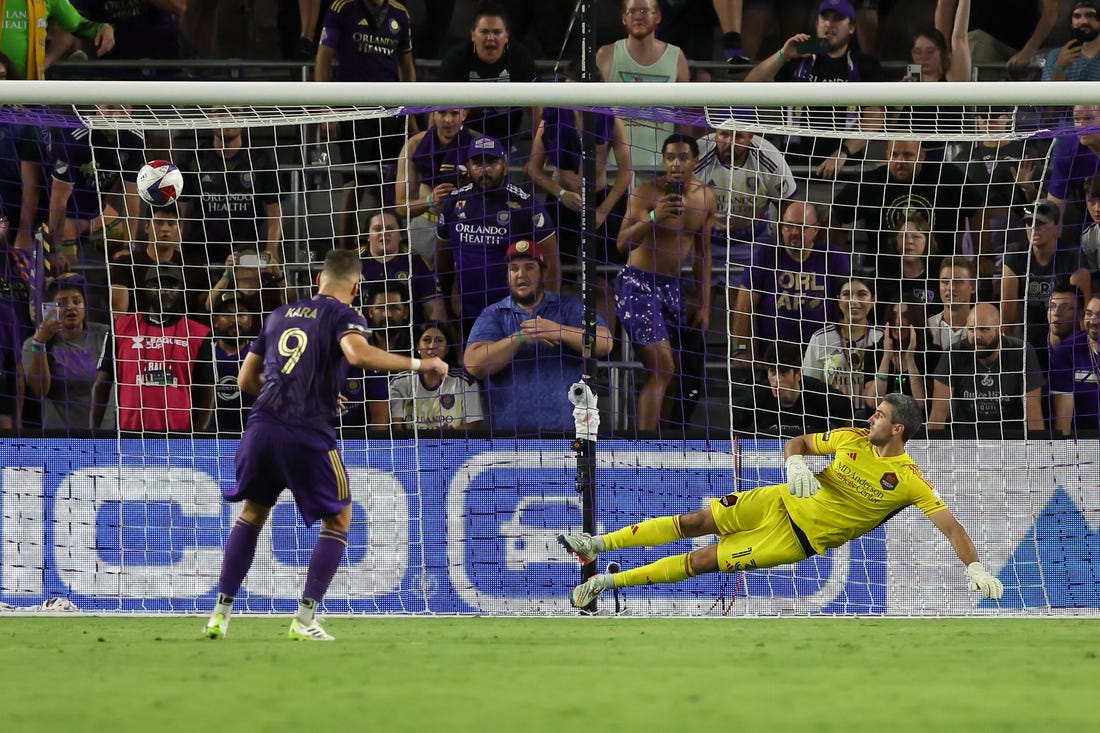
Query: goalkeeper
x: 871, y: 479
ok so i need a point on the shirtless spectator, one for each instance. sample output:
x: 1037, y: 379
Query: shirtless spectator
x: 668, y: 219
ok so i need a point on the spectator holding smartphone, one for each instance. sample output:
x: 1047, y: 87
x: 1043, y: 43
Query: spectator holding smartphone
x: 1078, y: 60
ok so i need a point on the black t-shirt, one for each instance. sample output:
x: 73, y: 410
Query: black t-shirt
x: 817, y: 411
x: 516, y: 64
x: 1009, y: 21
x: 1035, y: 286
x: 989, y: 398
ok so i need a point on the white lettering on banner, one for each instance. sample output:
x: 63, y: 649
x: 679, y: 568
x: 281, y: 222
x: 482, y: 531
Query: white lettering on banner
x: 79, y: 499
x: 468, y: 473
x: 387, y: 558
x: 84, y: 493
x: 22, y: 531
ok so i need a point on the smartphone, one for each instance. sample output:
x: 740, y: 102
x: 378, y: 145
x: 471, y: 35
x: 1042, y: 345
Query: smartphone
x: 812, y: 45
x: 50, y: 311
x: 674, y: 188
x: 915, y: 72
x: 255, y: 259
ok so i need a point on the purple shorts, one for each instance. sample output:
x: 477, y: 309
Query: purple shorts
x: 272, y: 457
x: 648, y: 304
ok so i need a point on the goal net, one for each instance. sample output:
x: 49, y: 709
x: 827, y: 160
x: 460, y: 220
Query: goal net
x: 754, y: 272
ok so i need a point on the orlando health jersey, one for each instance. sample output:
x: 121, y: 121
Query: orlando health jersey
x: 231, y: 405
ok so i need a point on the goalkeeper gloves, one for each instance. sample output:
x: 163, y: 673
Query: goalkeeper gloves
x: 800, y: 479
x: 983, y: 581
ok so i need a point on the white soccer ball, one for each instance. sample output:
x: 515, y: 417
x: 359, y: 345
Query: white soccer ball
x: 159, y: 183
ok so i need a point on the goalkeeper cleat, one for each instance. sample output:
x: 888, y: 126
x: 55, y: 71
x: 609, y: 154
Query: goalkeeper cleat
x: 217, y: 627
x: 582, y: 546
x: 587, y: 592
x: 308, y: 632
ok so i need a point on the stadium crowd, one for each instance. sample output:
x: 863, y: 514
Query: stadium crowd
x: 961, y: 274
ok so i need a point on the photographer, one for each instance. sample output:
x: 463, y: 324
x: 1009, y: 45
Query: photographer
x: 1077, y: 60
x: 257, y: 280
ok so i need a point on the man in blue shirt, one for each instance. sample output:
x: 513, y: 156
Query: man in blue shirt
x: 527, y: 349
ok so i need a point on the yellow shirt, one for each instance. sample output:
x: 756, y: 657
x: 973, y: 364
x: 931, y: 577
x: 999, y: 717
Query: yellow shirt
x: 859, y: 490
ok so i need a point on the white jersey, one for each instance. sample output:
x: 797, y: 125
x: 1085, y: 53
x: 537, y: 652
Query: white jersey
x: 751, y: 192
x: 456, y: 400
x: 842, y: 366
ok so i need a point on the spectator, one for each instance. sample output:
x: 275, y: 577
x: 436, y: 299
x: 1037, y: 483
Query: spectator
x: 431, y: 166
x: 1064, y: 316
x: 1090, y: 235
x: 841, y: 62
x: 11, y: 382
x: 844, y: 354
x: 256, y: 279
x: 16, y: 283
x: 990, y: 388
x: 234, y: 329
x: 527, y: 349
x: 751, y: 178
x: 784, y: 294
x: 884, y: 196
x: 1028, y: 278
x: 162, y: 230
x: 958, y: 283
x: 367, y: 391
x: 144, y: 29
x: 23, y: 148
x: 23, y: 42
x: 1075, y: 377
x: 938, y: 62
x: 230, y: 195
x: 161, y: 361
x: 668, y: 220
x: 730, y: 13
x: 1076, y: 161
x: 477, y: 222
x: 558, y: 142
x: 902, y: 356
x: 910, y: 276
x: 491, y: 56
x: 371, y: 41
x: 59, y: 360
x: 429, y: 402
x: 386, y: 259
x: 92, y: 166
x: 1078, y: 59
x: 1008, y: 32
x: 642, y: 57
x: 790, y: 404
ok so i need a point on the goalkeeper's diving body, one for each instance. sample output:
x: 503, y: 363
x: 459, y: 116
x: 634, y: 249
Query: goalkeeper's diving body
x: 297, y: 366
x: 871, y: 479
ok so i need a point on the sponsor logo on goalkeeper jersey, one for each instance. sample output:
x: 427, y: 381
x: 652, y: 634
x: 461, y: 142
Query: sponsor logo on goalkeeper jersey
x: 889, y: 481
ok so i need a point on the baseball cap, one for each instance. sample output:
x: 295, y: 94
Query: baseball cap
x: 523, y: 248
x: 225, y: 299
x: 1094, y: 4
x: 1043, y: 212
x: 837, y: 6
x: 486, y: 147
x: 164, y: 273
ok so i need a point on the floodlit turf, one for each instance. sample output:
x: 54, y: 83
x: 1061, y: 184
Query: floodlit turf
x: 561, y: 675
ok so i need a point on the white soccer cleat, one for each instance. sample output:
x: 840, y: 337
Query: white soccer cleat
x: 217, y: 627
x: 582, y: 546
x: 308, y: 632
x: 587, y: 592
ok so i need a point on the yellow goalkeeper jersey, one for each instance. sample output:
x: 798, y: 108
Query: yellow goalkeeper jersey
x: 859, y: 490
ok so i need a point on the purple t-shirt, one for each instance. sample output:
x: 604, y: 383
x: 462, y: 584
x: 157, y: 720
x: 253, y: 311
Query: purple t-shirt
x: 412, y: 271
x: 479, y: 227
x: 437, y: 162
x: 795, y: 297
x: 1072, y: 164
x: 368, y: 39
x: 304, y: 367
x: 1073, y: 370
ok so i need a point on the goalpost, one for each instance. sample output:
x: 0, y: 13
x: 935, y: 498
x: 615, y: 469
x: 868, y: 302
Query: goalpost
x: 457, y: 521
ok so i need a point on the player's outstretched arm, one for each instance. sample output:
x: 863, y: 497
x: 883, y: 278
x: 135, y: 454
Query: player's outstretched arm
x: 361, y: 354
x: 801, y: 481
x: 981, y: 580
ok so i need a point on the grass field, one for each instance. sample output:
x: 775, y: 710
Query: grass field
x: 598, y: 674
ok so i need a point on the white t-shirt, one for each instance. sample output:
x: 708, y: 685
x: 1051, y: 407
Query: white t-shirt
x: 844, y: 367
x: 456, y: 400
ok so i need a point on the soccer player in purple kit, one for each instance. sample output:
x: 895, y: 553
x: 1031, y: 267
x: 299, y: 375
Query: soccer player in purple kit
x: 297, y: 366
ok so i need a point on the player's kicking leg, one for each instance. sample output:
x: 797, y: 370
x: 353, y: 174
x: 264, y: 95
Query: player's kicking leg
x: 323, y: 563
x: 240, y: 549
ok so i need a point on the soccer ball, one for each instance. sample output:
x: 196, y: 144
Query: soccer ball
x: 159, y: 183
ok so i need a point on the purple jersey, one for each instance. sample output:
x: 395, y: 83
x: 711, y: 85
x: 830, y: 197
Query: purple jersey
x: 231, y: 404
x: 411, y: 270
x: 368, y: 39
x: 437, y: 162
x: 1072, y: 164
x: 562, y: 140
x: 479, y: 227
x: 1075, y: 370
x: 795, y: 297
x: 113, y: 160
x: 304, y: 367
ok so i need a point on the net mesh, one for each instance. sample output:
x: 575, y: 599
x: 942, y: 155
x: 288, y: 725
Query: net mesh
x: 762, y: 300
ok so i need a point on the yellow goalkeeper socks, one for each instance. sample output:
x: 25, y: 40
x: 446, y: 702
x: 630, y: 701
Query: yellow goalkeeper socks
x: 649, y: 533
x: 666, y: 570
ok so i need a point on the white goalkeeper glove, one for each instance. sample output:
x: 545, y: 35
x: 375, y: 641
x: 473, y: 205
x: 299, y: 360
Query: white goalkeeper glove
x: 586, y: 417
x: 982, y: 580
x: 800, y: 479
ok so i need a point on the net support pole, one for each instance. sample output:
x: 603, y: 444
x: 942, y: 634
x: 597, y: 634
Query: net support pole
x: 585, y: 449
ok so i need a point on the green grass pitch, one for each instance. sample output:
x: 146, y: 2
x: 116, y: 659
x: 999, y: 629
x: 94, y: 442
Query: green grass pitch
x: 83, y: 673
